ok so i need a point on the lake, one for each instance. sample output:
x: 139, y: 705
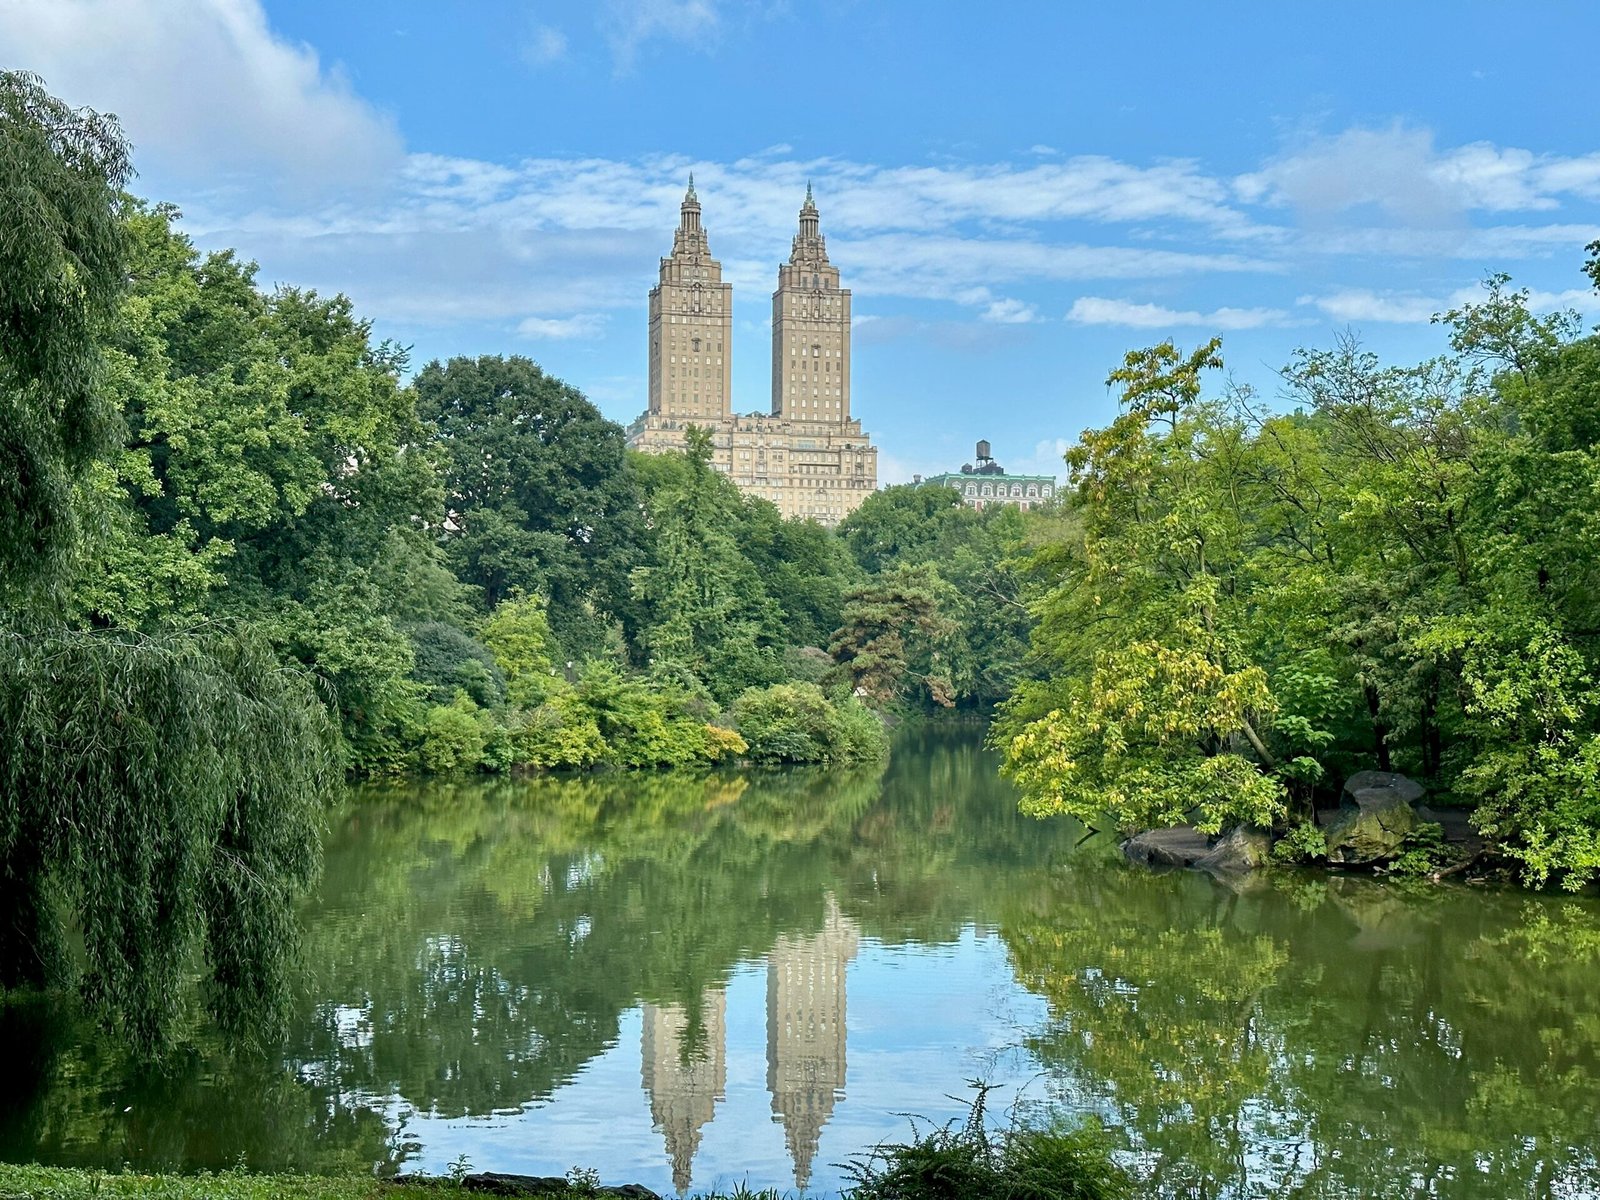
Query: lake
x: 690, y: 982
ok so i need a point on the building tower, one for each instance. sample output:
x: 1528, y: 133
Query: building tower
x: 691, y: 327
x: 684, y: 1081
x: 806, y: 1031
x: 810, y: 331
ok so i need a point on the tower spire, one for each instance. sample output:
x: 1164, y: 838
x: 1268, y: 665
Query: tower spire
x: 689, y: 210
x: 809, y: 223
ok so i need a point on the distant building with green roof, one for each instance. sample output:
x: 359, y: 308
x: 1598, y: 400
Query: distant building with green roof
x: 988, y: 483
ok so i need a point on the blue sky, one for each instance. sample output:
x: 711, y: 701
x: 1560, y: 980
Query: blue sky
x: 1017, y: 193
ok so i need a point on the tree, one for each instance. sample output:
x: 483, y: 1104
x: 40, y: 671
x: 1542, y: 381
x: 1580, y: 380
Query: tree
x: 536, y: 490
x: 705, y: 610
x: 887, y: 645
x: 160, y: 794
x: 61, y: 257
x: 1152, y: 711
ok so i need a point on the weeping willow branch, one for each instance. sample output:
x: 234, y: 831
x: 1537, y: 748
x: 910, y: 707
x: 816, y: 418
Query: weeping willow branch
x: 162, y: 795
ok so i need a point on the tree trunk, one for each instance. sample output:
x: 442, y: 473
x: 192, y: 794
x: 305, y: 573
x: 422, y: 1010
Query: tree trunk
x: 1380, y: 729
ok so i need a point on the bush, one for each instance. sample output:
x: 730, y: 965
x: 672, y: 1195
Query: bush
x: 449, y: 661
x: 796, y: 722
x: 612, y: 718
x: 1303, y: 844
x: 453, y: 738
x: 972, y: 1162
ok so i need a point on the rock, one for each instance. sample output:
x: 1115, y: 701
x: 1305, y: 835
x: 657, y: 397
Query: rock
x: 1382, y: 785
x: 1180, y: 846
x: 1375, y: 818
x: 1240, y: 849
x: 494, y: 1183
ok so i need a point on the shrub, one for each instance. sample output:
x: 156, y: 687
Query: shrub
x: 449, y: 661
x: 796, y: 722
x: 453, y: 738
x: 1302, y: 844
x: 970, y: 1161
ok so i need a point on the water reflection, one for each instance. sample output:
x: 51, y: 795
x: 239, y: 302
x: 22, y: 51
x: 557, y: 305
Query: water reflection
x: 649, y: 974
x: 1311, y: 1036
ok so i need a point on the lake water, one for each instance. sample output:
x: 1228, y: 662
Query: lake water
x: 695, y: 982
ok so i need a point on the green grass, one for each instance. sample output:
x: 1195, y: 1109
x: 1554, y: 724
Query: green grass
x: 65, y: 1183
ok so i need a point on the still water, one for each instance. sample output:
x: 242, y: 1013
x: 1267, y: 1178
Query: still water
x: 694, y: 982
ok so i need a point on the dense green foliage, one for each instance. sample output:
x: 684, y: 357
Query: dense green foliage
x: 1399, y: 573
x: 159, y: 794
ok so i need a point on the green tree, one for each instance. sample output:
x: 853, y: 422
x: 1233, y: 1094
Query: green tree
x: 159, y: 795
x: 61, y: 263
x: 887, y: 647
x: 538, y: 496
x: 1152, y: 711
x: 706, y: 613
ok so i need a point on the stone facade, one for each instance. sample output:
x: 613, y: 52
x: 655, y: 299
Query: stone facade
x: 807, y: 455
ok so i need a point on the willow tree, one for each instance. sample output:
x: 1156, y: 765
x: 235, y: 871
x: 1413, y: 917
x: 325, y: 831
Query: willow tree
x: 157, y: 793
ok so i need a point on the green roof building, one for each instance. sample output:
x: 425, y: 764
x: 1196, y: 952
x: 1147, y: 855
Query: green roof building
x: 988, y: 483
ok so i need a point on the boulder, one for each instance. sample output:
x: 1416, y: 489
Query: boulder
x: 1242, y: 848
x: 1378, y: 786
x: 1375, y: 818
x: 1180, y: 846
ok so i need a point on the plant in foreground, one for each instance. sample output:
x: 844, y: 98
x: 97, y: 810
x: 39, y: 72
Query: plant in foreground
x: 969, y: 1160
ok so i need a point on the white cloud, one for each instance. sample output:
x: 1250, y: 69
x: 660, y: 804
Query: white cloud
x: 1099, y: 310
x: 629, y: 25
x: 1360, y: 304
x: 545, y: 45
x: 1007, y: 311
x: 204, y: 88
x: 1410, y: 308
x: 579, y: 325
x: 1399, y: 173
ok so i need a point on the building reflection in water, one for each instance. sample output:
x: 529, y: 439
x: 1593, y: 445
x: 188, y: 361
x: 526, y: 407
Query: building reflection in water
x: 685, y: 1075
x: 805, y: 1048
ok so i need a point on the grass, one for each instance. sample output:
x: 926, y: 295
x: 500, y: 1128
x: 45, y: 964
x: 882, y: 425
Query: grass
x: 68, y: 1183
x: 968, y: 1160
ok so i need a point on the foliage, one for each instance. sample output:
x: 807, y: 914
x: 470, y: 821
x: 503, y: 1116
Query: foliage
x: 61, y: 273
x: 888, y: 644
x: 160, y: 796
x: 1303, y: 843
x: 448, y: 660
x: 163, y: 795
x: 798, y: 723
x: 706, y: 611
x: 453, y: 738
x: 518, y: 635
x: 535, y: 484
x: 1058, y: 1161
x: 1246, y: 607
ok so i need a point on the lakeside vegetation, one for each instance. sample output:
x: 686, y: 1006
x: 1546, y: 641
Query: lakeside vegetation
x: 245, y: 553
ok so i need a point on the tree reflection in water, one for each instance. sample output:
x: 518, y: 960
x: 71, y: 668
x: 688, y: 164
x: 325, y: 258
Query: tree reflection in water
x: 1301, y: 1035
x: 474, y: 947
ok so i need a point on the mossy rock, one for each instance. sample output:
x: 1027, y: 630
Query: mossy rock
x: 1375, y: 818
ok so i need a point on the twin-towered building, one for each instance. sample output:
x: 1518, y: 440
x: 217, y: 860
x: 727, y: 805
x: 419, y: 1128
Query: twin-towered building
x: 807, y: 455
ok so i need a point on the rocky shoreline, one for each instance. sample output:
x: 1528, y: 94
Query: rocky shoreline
x: 1378, y: 823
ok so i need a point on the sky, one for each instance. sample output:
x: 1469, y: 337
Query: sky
x: 1017, y: 193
